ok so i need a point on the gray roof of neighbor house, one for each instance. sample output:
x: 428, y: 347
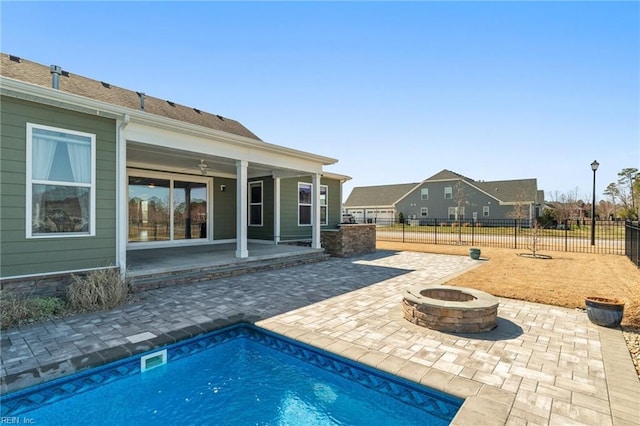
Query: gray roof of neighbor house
x: 34, y: 73
x: 383, y: 195
x: 506, y: 191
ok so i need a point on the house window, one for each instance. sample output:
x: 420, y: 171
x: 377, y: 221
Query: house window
x: 304, y: 203
x: 324, y: 204
x: 255, y: 203
x: 424, y: 194
x: 60, y: 182
x: 452, y: 213
x: 448, y: 192
x: 485, y: 211
x: 424, y: 211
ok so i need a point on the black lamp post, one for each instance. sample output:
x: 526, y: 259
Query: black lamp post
x: 594, y: 167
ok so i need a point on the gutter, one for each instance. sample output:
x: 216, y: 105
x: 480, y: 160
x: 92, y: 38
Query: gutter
x: 121, y: 195
x: 31, y: 92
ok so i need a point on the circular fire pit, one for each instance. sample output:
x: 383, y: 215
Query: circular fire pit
x: 450, y: 309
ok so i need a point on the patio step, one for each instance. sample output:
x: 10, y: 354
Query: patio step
x: 191, y: 275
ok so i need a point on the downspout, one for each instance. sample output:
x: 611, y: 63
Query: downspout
x: 121, y: 196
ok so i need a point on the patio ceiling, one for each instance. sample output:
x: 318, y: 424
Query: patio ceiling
x: 150, y: 157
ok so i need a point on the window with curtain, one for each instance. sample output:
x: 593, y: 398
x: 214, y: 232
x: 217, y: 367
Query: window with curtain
x: 255, y: 203
x: 304, y: 203
x: 60, y: 182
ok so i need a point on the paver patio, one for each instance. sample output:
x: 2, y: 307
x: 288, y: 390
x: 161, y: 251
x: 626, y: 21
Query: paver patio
x: 541, y: 365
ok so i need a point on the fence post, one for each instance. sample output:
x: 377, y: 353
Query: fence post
x: 473, y: 232
x: 566, y: 235
x: 435, y: 232
x: 515, y: 233
x: 403, y: 229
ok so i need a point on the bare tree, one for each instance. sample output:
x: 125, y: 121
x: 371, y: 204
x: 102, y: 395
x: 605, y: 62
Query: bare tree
x: 613, y: 192
x: 520, y: 209
x: 460, y: 199
x: 629, y: 192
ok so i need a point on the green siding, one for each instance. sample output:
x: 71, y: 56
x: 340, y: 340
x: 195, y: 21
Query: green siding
x: 224, y: 209
x: 21, y: 256
x: 264, y: 232
x: 290, y: 230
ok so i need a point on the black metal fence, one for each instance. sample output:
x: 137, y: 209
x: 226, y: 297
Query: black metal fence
x: 609, y: 237
x: 632, y: 242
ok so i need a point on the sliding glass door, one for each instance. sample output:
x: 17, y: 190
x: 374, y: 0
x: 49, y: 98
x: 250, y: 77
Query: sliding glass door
x: 189, y: 210
x: 167, y: 208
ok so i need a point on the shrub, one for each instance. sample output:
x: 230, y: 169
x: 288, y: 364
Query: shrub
x: 18, y: 309
x: 98, y: 290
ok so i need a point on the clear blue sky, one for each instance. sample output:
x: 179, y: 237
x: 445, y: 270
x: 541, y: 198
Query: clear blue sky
x: 395, y: 91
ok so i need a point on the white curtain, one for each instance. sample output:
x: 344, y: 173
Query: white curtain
x: 80, y: 160
x: 43, y: 151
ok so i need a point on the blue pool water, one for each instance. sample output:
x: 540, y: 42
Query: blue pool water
x: 237, y: 376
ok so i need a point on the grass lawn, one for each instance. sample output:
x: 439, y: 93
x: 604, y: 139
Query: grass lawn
x: 564, y: 280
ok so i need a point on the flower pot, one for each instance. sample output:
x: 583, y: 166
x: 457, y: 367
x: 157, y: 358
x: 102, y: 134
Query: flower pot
x: 474, y: 253
x: 603, y: 311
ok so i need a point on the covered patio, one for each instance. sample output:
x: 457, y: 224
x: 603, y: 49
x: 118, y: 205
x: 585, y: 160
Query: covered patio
x: 161, y: 267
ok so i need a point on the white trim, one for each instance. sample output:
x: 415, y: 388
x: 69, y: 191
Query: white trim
x: 261, y: 203
x: 325, y: 205
x: 300, y: 204
x: 61, y: 99
x: 51, y: 274
x: 171, y: 177
x: 30, y: 182
x: 315, y: 215
x: 122, y: 203
x: 277, y: 228
x: 241, y: 209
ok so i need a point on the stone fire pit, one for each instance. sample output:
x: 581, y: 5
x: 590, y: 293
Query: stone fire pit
x: 450, y: 309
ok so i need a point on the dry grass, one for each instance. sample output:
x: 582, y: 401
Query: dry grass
x: 98, y: 290
x: 564, y: 280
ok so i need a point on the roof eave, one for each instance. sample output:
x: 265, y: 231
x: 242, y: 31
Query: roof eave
x: 40, y: 94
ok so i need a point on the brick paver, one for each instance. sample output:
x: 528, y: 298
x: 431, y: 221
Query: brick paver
x: 541, y: 365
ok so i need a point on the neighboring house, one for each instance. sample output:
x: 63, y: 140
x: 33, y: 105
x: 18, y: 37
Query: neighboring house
x: 449, y: 196
x: 90, y: 170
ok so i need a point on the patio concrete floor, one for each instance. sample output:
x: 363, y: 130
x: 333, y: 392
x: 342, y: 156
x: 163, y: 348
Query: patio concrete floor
x: 541, y: 365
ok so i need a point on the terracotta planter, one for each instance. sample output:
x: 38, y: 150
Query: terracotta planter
x: 603, y: 311
x: 474, y: 253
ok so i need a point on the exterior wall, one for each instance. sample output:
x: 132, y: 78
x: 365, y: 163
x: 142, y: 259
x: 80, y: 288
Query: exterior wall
x: 335, y: 202
x: 289, y: 228
x: 264, y: 232
x: 349, y: 240
x: 24, y: 257
x: 224, y: 209
x: 474, y: 201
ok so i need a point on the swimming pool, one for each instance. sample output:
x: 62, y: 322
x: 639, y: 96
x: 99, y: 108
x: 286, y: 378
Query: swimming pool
x: 235, y: 376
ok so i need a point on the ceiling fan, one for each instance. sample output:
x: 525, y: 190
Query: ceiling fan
x: 203, y: 167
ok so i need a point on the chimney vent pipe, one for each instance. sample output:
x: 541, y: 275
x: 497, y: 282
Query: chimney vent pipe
x: 56, y: 71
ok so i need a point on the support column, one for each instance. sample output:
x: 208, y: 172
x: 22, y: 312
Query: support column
x: 122, y: 222
x: 315, y: 215
x: 276, y: 210
x: 241, y: 209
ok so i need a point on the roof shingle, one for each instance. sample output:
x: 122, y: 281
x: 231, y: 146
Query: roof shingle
x: 34, y: 73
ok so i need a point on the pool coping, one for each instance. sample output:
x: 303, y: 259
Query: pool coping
x: 483, y: 401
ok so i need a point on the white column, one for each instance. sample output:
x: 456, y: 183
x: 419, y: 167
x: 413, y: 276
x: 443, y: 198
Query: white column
x: 241, y: 209
x: 315, y: 215
x: 276, y: 210
x: 122, y: 233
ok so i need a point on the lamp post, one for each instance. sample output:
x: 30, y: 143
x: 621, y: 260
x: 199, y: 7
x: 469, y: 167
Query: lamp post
x: 594, y: 167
